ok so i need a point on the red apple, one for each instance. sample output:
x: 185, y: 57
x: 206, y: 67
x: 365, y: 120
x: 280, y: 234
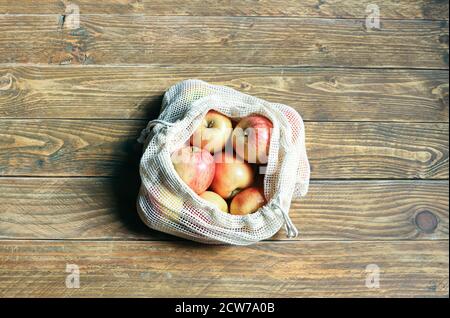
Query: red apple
x: 251, y: 138
x: 215, y: 199
x: 247, y: 201
x: 195, y: 167
x: 231, y: 176
x: 213, y: 132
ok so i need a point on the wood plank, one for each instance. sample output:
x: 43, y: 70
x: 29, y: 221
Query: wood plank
x: 68, y: 147
x: 139, y: 39
x: 174, y: 269
x: 104, y: 209
x: 378, y: 150
x: 338, y: 150
x: 389, y: 9
x: 136, y: 92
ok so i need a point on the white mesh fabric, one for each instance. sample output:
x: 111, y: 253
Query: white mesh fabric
x: 167, y: 204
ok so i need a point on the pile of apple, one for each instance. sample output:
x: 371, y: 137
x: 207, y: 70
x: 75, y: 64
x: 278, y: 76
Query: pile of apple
x: 222, y: 161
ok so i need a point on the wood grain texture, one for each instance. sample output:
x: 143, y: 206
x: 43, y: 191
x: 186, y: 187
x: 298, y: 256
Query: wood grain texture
x: 136, y: 92
x: 74, y: 100
x: 142, y: 39
x: 174, y: 269
x: 377, y: 150
x: 336, y: 150
x: 389, y: 9
x: 73, y: 148
x: 104, y: 209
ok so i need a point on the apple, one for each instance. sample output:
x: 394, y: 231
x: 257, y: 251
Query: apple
x: 232, y: 175
x: 168, y: 204
x: 251, y: 138
x: 215, y: 199
x: 213, y: 132
x: 247, y: 201
x: 165, y: 204
x: 193, y: 93
x: 195, y: 167
x: 193, y: 212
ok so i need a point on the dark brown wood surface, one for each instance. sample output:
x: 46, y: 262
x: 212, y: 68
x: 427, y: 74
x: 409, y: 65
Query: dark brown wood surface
x: 125, y: 39
x: 339, y: 150
x: 174, y: 269
x: 135, y: 92
x: 390, y: 9
x: 103, y: 209
x: 376, y: 110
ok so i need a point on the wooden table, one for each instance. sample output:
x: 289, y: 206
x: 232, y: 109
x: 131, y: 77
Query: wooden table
x: 73, y: 100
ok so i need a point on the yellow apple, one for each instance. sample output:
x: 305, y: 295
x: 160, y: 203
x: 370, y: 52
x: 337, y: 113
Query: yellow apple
x: 215, y: 199
x: 168, y: 204
x: 193, y: 93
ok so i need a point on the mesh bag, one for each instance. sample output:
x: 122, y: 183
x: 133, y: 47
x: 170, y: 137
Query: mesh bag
x: 165, y: 203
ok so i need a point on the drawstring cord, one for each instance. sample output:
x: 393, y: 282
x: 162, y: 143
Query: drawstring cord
x: 290, y: 228
x: 146, y: 131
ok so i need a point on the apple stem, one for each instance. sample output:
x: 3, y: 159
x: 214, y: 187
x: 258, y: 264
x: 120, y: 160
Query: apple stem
x: 234, y: 192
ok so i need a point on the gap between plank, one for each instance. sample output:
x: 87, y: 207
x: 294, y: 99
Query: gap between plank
x: 312, y: 179
x: 185, y: 241
x: 147, y: 119
x: 183, y: 16
x: 206, y: 66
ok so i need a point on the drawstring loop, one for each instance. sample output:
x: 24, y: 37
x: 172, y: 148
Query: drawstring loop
x: 289, y: 226
x: 146, y: 131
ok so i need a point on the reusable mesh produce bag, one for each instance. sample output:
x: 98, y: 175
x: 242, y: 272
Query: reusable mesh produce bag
x: 165, y: 203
